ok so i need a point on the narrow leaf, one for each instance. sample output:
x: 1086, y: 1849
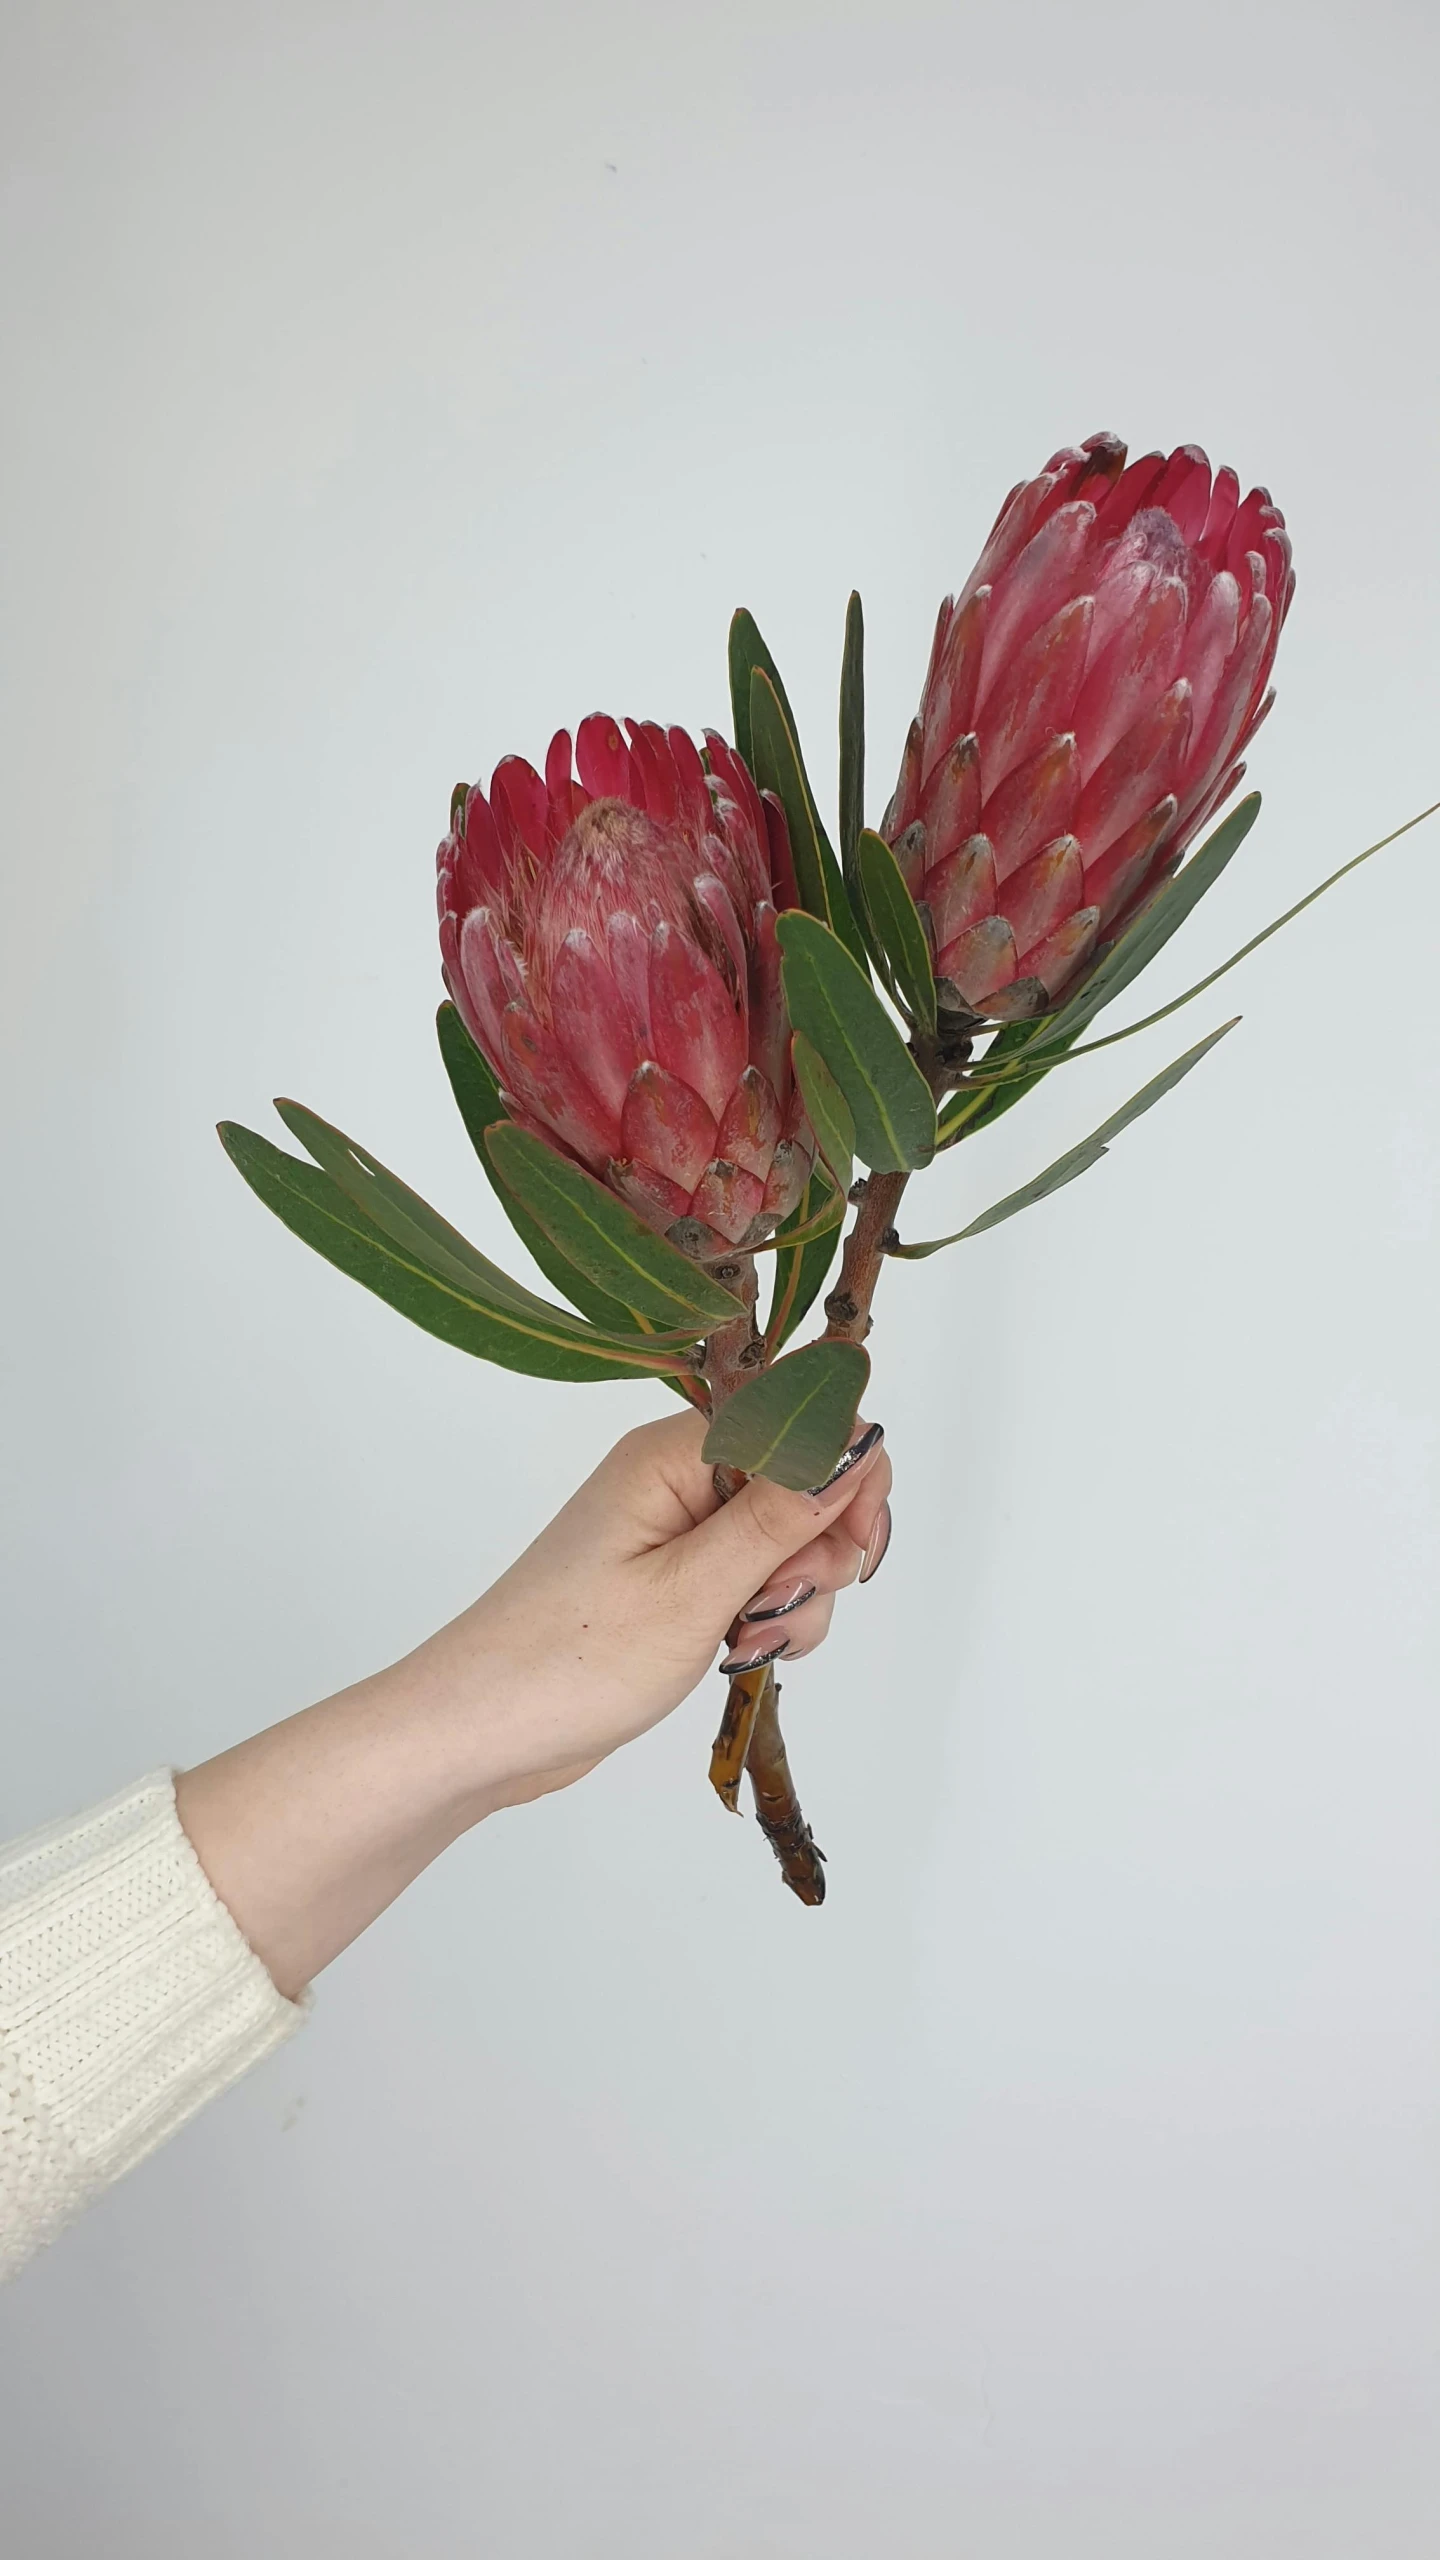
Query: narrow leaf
x: 429, y: 1239
x: 833, y: 1003
x: 827, y: 1109
x: 605, y: 1239
x: 747, y: 652
x: 776, y: 764
x: 478, y: 1096
x: 541, y: 1342
x: 852, y: 733
x: 794, y: 1422
x: 1078, y: 1160
x: 800, y: 1269
x: 894, y: 921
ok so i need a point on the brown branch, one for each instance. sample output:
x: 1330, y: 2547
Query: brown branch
x: 848, y: 1305
x: 749, y: 1737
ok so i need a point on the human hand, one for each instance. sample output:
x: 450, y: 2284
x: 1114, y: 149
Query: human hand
x: 308, y: 1830
x: 616, y: 1611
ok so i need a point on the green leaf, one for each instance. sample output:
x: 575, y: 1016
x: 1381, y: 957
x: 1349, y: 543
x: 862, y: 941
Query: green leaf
x: 1078, y: 1160
x: 605, y: 1239
x: 776, y: 764
x: 747, y: 652
x: 800, y: 1269
x: 478, y: 1096
x: 411, y: 1223
x: 459, y: 1305
x: 828, y: 1111
x: 852, y: 734
x: 792, y: 1423
x: 895, y: 923
x: 833, y: 1003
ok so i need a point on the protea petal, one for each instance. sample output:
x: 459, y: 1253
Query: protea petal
x: 1113, y: 879
x: 750, y: 1125
x: 693, y: 1019
x: 627, y: 948
x: 960, y: 890
x: 665, y: 1125
x: 595, y: 1029
x: 518, y: 795
x: 951, y: 804
x: 552, y: 1088
x: 1143, y: 765
x: 769, y: 1022
x: 602, y: 759
x: 1037, y: 693
x: 788, y: 1175
x: 728, y: 1199
x: 653, y: 1194
x: 1034, y: 803
x: 1058, y: 958
x: 480, y: 981
x: 1037, y: 899
x: 951, y: 696
x: 980, y: 961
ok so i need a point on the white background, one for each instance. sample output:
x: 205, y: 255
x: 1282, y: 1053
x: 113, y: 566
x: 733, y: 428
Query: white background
x: 385, y: 385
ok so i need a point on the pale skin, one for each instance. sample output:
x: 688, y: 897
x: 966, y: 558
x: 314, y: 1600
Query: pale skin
x: 597, y: 1632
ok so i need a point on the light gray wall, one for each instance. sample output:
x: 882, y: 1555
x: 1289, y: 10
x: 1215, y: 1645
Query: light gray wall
x: 386, y: 384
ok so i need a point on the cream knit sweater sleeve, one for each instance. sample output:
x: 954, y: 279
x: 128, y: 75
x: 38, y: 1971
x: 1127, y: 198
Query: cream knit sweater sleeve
x: 127, y: 1998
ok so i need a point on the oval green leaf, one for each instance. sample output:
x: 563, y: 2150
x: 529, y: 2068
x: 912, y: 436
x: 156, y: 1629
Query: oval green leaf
x: 793, y: 1423
x: 833, y: 1003
x: 596, y: 1231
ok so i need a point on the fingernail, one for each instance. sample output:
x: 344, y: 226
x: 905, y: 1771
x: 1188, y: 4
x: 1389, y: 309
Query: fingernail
x: 879, y: 1543
x: 752, y: 1661
x: 857, y: 1450
x: 778, y: 1599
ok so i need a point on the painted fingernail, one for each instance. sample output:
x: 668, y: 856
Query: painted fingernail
x: 752, y: 1661
x: 857, y: 1450
x: 777, y: 1600
x: 878, y: 1546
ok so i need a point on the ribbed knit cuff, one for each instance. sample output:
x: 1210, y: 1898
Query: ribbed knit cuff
x: 128, y: 1997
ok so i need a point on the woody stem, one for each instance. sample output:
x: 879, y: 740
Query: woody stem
x: 750, y: 1738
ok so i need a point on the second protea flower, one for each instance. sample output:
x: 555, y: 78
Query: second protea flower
x: 1090, y: 693
x: 610, y: 943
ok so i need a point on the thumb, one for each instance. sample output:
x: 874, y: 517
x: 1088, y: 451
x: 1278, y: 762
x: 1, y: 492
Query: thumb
x: 725, y: 1560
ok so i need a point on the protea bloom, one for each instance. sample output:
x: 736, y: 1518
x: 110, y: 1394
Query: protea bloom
x: 1089, y: 693
x: 610, y: 944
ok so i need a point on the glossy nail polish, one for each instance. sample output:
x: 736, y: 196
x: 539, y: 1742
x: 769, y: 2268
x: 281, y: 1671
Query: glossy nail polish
x: 777, y: 1601
x: 857, y: 1450
x: 879, y: 1544
x: 752, y: 1661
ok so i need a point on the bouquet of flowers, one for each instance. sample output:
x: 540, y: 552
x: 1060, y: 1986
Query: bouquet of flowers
x: 688, y: 1036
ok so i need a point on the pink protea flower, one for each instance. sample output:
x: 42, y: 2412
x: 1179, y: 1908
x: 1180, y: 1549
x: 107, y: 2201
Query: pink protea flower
x: 610, y: 944
x: 1089, y: 693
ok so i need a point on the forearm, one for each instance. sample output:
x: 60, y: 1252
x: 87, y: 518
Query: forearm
x: 309, y: 1830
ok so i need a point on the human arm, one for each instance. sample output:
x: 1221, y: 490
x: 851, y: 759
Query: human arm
x: 152, y: 1950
